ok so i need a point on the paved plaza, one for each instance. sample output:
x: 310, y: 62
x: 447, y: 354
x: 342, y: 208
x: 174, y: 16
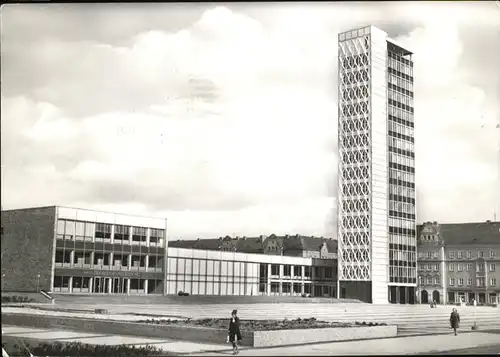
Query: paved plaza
x: 431, y: 326
x: 411, y: 319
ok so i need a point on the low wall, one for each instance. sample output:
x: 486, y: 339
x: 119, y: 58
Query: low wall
x: 187, y: 333
x: 304, y: 336
x: 200, y: 334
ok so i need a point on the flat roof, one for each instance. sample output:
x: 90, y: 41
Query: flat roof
x: 404, y: 50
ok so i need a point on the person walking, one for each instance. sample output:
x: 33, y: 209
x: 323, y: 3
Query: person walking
x: 454, y: 320
x: 234, y: 333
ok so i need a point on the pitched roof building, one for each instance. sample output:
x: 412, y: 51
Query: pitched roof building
x: 296, y: 245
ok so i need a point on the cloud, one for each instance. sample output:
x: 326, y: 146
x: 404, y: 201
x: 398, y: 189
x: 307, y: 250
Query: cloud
x: 224, y: 119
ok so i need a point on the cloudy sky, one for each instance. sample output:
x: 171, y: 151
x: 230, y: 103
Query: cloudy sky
x: 223, y: 117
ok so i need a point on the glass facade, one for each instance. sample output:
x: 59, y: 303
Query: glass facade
x: 401, y: 149
x: 98, y: 257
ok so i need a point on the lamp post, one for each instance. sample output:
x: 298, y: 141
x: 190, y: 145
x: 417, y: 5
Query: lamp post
x: 38, y: 283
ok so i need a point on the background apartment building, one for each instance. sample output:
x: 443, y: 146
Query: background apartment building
x: 376, y: 206
x: 458, y: 262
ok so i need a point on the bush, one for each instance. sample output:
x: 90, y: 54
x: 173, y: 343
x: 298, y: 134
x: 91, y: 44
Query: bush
x: 16, y: 298
x: 357, y: 323
x: 80, y: 349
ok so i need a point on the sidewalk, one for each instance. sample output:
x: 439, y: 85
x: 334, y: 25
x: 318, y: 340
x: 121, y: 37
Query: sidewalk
x: 390, y: 346
x: 175, y: 346
x: 396, y: 346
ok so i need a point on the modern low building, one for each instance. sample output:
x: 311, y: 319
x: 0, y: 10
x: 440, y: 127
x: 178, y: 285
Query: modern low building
x: 65, y: 249
x: 457, y: 262
x: 210, y: 272
x: 69, y: 250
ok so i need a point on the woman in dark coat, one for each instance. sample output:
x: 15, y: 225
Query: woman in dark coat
x: 234, y: 334
x: 454, y: 320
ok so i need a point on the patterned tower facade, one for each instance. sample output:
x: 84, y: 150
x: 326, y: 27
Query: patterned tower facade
x: 376, y: 205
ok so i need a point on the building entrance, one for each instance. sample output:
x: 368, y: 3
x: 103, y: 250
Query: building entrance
x: 99, y: 285
x: 119, y: 285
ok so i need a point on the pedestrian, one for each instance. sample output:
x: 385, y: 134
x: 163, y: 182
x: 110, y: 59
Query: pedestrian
x: 454, y: 320
x: 234, y: 333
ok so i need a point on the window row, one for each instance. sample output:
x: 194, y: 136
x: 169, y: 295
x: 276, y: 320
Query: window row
x: 480, y: 267
x: 401, y: 191
x: 401, y: 65
x: 355, y: 93
x: 401, y: 223
x: 361, y: 108
x: 395, y: 112
x: 401, y: 160
x: 480, y: 282
x: 402, y: 175
x: 401, y: 82
x: 429, y: 280
x: 407, y: 272
x: 402, y: 239
x: 78, y: 258
x: 211, y: 288
x: 403, y: 255
x: 68, y: 229
x: 400, y: 129
x: 468, y: 253
x: 400, y: 98
x: 428, y: 255
x: 401, y: 144
x: 394, y: 71
x: 402, y: 207
x: 429, y: 267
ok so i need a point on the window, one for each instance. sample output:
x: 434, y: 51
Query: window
x: 469, y: 266
x: 297, y: 271
x: 420, y: 255
x: 435, y: 255
x: 460, y: 281
x: 429, y: 255
x: 429, y: 280
x: 122, y: 232
x: 480, y: 267
x: 460, y: 267
x: 459, y: 254
x: 103, y: 230
x: 452, y: 281
x: 469, y: 281
x: 492, y: 254
x: 493, y: 281
x: 480, y: 254
x: 420, y: 280
x: 451, y: 255
x: 139, y: 234
x: 451, y: 267
x: 80, y: 230
x: 307, y: 272
x: 437, y: 280
x: 480, y: 282
x: 69, y: 230
x: 155, y: 235
x: 275, y: 269
x: 429, y: 267
x: 469, y: 254
x: 328, y: 273
x: 287, y: 270
x: 436, y: 267
x: 492, y: 266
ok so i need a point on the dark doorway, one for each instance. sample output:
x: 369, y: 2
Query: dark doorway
x: 435, y: 296
x: 393, y: 294
x: 402, y: 295
x: 424, y: 297
x: 472, y: 296
x: 411, y: 295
